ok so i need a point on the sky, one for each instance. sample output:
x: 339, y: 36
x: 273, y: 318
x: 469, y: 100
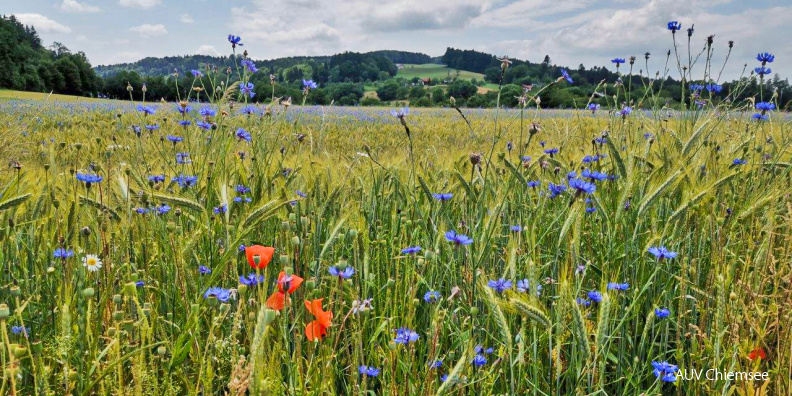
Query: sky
x: 571, y: 32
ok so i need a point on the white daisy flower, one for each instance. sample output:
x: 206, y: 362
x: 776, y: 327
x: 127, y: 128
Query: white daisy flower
x: 92, y: 262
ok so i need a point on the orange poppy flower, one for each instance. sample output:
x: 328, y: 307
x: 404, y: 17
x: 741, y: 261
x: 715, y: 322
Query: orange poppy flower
x: 757, y: 353
x: 277, y: 300
x: 259, y: 256
x: 318, y: 328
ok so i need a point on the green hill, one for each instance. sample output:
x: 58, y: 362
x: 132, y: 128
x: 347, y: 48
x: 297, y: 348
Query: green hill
x: 435, y: 72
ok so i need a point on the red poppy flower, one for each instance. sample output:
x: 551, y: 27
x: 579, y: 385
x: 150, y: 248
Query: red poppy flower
x: 286, y: 285
x: 318, y: 328
x: 259, y: 256
x: 757, y: 353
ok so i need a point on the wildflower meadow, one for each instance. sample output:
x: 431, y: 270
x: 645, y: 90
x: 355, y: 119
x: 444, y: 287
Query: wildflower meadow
x: 232, y: 244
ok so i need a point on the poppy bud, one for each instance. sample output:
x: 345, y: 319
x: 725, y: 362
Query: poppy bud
x: 224, y: 308
x: 284, y: 260
x: 304, y: 221
x: 162, y: 350
x: 118, y: 315
x: 474, y: 310
x: 130, y: 288
x: 242, y: 290
x: 353, y: 233
x: 295, y: 241
x: 733, y: 296
x: 4, y: 311
x: 285, y: 225
x: 88, y: 292
x: 15, y: 291
x: 310, y: 285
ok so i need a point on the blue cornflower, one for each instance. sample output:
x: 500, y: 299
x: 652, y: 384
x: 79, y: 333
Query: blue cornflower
x: 523, y: 285
x: 207, y: 111
x: 251, y: 279
x: 618, y: 286
x: 435, y: 363
x: 141, y: 210
x: 411, y: 250
x: 174, y: 138
x: 457, y: 239
x: 500, y: 285
x: 481, y: 349
x: 763, y: 70
x: 583, y: 302
x: 140, y: 284
x: 162, y: 209
x: 595, y: 296
x: 525, y: 158
x: 551, y: 151
x: 665, y: 371
x: 240, y: 200
x: 346, y: 273
x: 185, y: 181
x: 760, y: 117
x: 542, y: 143
x: 648, y: 135
x: 696, y: 87
x: 218, y: 293
x: 89, y: 178
x: 582, y: 186
x: 235, y: 40
x: 516, y: 228
x: 152, y: 127
x: 739, y: 161
x: 220, y: 209
x: 196, y: 73
x: 661, y: 252
x: 241, y: 189
x: 183, y: 110
x: 479, y: 360
x: 247, y: 89
x: 204, y: 125
x: 301, y: 194
x: 185, y: 123
x: 673, y: 26
x: 183, y: 158
x: 309, y: 84
x: 146, y: 110
x: 617, y: 61
x: 590, y: 158
x: 556, y: 189
x: 20, y: 330
x: 249, y: 65
x: 625, y: 111
x: 369, y: 371
x: 593, y: 107
x: 204, y: 270
x: 662, y: 312
x: 242, y: 134
x: 432, y: 296
x: 63, y: 253
x: 591, y: 209
x: 594, y: 176
x: 249, y: 110
x: 400, y: 113
x: 571, y: 175
x: 534, y: 183
x: 765, y: 106
x: 716, y: 88
x: 765, y: 57
x: 565, y: 76
x: 405, y: 336
x: 442, y: 197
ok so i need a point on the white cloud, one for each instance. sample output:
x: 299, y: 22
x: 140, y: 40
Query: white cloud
x: 148, y: 30
x: 142, y: 4
x: 42, y: 23
x: 77, y: 7
x: 186, y: 18
x: 207, y: 50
